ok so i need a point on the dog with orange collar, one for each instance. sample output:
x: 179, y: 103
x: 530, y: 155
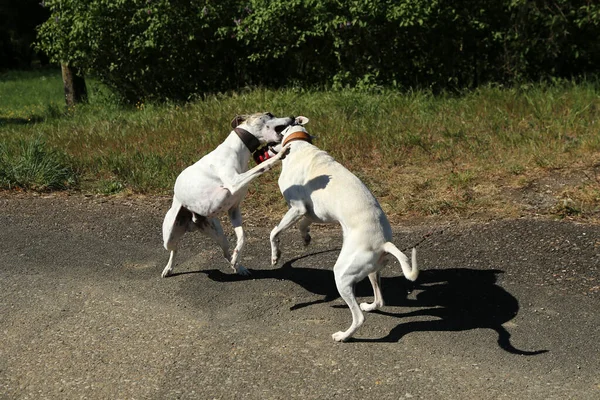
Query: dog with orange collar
x: 319, y: 189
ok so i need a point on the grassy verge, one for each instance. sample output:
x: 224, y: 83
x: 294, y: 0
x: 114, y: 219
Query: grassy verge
x: 492, y: 152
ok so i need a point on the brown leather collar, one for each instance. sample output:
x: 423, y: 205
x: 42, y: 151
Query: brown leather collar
x: 249, y: 139
x: 300, y: 135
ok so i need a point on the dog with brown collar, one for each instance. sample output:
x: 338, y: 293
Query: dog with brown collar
x: 218, y: 183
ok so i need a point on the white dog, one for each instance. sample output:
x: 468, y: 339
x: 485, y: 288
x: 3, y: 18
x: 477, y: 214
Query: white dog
x: 319, y: 189
x: 218, y: 183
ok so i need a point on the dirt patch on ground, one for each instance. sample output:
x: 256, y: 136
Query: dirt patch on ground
x: 573, y: 193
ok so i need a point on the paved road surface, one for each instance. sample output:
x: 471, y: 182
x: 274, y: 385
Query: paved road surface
x: 506, y: 309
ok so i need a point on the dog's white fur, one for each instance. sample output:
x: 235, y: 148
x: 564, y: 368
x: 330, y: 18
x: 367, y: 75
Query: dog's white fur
x: 218, y: 183
x: 319, y: 189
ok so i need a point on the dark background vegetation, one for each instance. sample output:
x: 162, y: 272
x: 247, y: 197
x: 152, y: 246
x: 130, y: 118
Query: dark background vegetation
x: 178, y: 49
x: 18, y: 22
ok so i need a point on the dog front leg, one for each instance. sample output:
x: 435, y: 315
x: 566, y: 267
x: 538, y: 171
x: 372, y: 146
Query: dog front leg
x: 239, y: 182
x: 235, y: 216
x: 293, y: 215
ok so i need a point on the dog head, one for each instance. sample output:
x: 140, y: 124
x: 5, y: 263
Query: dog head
x: 263, y: 126
x: 297, y: 126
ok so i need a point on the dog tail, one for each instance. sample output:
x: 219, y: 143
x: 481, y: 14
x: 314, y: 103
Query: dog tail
x: 410, y: 273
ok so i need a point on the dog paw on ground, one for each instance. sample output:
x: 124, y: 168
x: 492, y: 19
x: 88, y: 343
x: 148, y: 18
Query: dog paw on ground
x: 275, y: 256
x: 339, y: 336
x: 243, y: 271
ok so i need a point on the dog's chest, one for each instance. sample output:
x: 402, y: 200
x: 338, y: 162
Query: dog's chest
x: 300, y: 165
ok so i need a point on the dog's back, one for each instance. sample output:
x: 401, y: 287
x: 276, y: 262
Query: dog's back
x: 331, y: 192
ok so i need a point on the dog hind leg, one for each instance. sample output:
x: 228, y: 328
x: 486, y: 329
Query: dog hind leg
x: 304, y: 228
x: 175, y: 225
x: 212, y: 228
x: 346, y: 272
x: 377, y: 303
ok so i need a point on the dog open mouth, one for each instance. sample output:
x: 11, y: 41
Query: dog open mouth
x: 280, y: 128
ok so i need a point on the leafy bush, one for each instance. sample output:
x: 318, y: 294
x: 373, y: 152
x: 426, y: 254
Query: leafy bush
x: 178, y: 48
x: 559, y: 38
x: 425, y: 44
x: 145, y: 48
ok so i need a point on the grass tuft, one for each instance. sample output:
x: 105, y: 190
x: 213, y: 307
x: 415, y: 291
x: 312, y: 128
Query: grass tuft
x: 33, y: 166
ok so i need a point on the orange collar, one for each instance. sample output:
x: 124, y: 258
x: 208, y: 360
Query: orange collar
x: 299, y: 135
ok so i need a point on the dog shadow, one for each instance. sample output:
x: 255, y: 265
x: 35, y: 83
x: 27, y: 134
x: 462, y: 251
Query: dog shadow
x: 317, y: 183
x: 457, y: 299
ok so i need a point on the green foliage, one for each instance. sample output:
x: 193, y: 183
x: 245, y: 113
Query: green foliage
x: 30, y: 165
x: 426, y: 44
x: 178, y: 48
x: 558, y: 38
x: 144, y: 48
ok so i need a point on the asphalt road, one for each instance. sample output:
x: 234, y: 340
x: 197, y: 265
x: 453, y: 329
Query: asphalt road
x: 502, y: 309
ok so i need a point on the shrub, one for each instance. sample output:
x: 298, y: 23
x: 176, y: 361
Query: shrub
x: 145, y: 49
x: 178, y: 48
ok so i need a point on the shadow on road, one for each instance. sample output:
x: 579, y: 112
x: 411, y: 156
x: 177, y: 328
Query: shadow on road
x: 458, y: 299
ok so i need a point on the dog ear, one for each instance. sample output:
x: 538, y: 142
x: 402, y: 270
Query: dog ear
x: 301, y: 120
x: 237, y: 120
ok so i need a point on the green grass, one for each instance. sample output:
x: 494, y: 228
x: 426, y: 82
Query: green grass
x: 420, y: 154
x: 29, y: 96
x: 33, y: 166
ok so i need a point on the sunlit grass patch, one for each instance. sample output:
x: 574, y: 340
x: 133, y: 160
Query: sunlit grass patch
x: 448, y: 154
x: 29, y: 96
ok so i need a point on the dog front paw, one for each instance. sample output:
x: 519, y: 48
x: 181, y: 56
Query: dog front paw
x: 284, y: 151
x: 340, y: 336
x: 242, y: 271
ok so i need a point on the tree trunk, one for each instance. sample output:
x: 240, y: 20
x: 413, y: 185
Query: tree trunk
x: 75, y: 89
